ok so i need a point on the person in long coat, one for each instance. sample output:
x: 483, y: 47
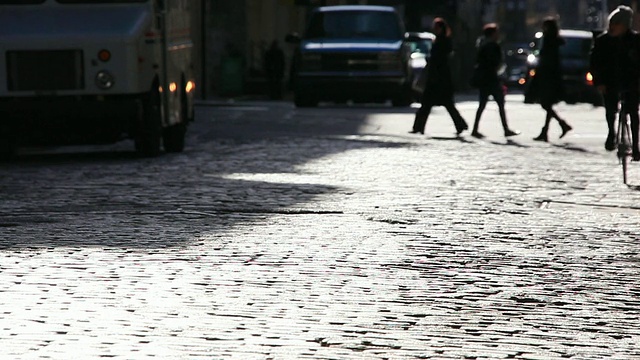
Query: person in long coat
x: 274, y: 64
x: 439, y: 83
x: 488, y: 64
x: 548, y: 85
x: 615, y: 65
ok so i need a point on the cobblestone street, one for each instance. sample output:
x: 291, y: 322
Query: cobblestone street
x: 326, y: 233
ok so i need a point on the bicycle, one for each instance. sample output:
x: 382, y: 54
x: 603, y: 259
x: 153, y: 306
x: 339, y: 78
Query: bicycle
x: 623, y: 139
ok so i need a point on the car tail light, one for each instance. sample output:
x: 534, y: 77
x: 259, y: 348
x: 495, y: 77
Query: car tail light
x: 190, y: 86
x: 589, y: 78
x: 532, y: 72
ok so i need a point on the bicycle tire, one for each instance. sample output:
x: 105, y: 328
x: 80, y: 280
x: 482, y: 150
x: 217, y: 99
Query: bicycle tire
x: 624, y: 141
x: 625, y: 165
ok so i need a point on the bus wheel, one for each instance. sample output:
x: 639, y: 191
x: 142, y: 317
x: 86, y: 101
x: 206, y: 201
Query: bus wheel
x: 147, y: 139
x: 173, y: 136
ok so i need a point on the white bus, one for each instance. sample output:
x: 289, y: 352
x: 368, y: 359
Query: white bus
x: 96, y: 71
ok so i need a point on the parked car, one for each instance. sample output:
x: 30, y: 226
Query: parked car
x: 420, y: 44
x: 574, y: 55
x: 352, y: 53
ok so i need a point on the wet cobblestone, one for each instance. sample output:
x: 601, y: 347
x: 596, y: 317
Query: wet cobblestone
x: 324, y: 234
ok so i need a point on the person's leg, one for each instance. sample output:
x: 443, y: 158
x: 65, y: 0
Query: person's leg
x: 420, y: 121
x: 545, y: 129
x: 498, y: 96
x: 422, y: 114
x: 552, y: 114
x: 458, y: 120
x: 611, y: 104
x: 482, y: 103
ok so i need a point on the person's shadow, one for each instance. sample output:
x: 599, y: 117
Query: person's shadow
x: 510, y: 142
x: 634, y: 187
x: 462, y: 139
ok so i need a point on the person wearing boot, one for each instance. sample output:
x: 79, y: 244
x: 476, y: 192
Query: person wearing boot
x: 548, y: 79
x: 439, y: 84
x: 615, y: 66
x: 488, y: 64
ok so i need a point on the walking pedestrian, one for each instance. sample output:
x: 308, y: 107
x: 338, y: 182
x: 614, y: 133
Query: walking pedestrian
x: 547, y: 83
x: 274, y: 64
x: 439, y: 83
x: 488, y: 64
x: 615, y: 66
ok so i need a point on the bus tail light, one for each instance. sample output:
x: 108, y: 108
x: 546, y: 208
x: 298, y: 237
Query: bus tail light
x: 589, y: 78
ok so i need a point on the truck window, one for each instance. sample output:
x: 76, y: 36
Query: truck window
x: 354, y: 24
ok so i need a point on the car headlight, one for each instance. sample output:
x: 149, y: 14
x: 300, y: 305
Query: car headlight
x: 104, y: 80
x: 418, y: 63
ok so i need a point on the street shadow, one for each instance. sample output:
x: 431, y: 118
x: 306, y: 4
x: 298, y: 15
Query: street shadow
x: 44, y: 156
x: 461, y: 139
x: 239, y: 167
x: 634, y: 187
x: 573, y: 148
x: 510, y: 142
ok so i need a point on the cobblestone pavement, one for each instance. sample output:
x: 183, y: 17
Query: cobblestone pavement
x: 324, y: 233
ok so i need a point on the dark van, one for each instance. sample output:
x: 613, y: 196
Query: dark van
x: 352, y: 53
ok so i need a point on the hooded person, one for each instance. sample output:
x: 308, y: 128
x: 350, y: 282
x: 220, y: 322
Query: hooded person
x: 615, y: 66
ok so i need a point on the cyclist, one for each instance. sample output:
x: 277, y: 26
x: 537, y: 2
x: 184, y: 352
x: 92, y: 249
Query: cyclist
x: 615, y: 66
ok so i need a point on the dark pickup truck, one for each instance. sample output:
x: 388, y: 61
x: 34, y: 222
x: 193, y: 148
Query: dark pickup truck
x: 352, y: 53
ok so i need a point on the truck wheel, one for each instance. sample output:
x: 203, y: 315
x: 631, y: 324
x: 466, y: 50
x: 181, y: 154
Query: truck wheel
x: 147, y: 138
x: 173, y: 136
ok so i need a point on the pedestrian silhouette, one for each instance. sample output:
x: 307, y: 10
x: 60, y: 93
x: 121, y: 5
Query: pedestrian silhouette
x: 274, y: 64
x: 615, y: 66
x: 439, y: 83
x: 485, y: 77
x: 547, y: 86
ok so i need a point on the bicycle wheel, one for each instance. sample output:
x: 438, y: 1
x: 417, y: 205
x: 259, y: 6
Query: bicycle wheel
x: 625, y: 165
